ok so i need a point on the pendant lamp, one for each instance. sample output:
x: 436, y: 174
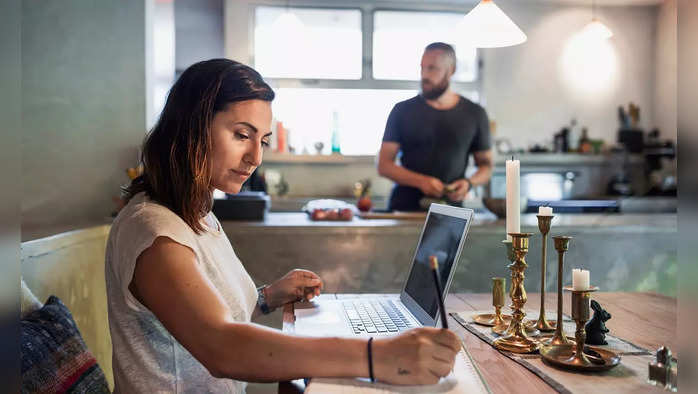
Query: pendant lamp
x: 596, y: 29
x: 487, y: 26
x: 288, y: 23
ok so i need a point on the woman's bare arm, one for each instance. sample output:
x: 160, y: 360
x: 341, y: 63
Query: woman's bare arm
x: 169, y: 281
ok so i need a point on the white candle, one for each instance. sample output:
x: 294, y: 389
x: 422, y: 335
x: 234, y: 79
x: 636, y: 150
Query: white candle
x: 545, y: 211
x: 513, y: 197
x: 580, y: 279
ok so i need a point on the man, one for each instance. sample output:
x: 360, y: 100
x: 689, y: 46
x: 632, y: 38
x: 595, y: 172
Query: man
x: 435, y: 133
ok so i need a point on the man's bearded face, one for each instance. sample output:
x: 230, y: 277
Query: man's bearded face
x: 431, y: 90
x: 437, y: 69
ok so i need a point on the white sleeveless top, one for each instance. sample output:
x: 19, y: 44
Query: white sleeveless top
x: 146, y: 358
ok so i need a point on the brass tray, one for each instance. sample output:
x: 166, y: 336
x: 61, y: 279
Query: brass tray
x: 562, y: 357
x: 487, y: 319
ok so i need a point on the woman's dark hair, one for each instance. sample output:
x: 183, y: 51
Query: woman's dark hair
x: 176, y: 154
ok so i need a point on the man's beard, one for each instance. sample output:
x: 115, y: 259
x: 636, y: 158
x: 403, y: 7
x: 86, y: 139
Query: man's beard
x: 436, y: 91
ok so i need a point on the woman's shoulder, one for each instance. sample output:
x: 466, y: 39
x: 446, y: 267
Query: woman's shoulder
x: 142, y: 214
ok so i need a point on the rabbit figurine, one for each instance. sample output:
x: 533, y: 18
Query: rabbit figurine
x: 596, y: 329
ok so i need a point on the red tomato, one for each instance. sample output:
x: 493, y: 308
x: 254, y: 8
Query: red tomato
x: 364, y: 204
x: 332, y: 214
x: 346, y: 214
x: 319, y: 214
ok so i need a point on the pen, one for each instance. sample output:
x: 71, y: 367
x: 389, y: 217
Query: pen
x: 434, y: 263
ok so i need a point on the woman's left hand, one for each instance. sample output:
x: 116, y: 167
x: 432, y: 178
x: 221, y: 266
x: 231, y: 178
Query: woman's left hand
x: 294, y: 286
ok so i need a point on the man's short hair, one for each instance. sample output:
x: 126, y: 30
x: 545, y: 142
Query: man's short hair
x: 446, y: 48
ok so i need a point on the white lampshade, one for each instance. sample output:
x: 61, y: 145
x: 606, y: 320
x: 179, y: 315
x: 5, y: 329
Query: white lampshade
x: 598, y: 30
x: 288, y: 23
x: 487, y: 26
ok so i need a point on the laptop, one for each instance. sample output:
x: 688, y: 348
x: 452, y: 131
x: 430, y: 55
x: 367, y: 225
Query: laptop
x: 443, y: 235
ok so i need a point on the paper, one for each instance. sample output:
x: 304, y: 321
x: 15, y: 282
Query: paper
x: 464, y: 378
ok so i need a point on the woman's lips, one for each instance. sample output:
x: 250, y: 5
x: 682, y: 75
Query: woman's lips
x: 242, y: 173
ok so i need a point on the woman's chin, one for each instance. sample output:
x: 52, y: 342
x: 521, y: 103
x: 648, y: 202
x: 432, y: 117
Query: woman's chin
x: 230, y: 189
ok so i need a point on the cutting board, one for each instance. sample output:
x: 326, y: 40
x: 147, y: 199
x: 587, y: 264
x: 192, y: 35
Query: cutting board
x: 397, y: 215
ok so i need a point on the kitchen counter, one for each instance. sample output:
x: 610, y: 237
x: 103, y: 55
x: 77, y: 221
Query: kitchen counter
x: 625, y: 252
x: 485, y: 222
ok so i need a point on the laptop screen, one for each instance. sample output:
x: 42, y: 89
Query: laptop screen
x: 440, y: 238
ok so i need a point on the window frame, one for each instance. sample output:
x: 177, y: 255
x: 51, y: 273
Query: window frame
x: 367, y: 10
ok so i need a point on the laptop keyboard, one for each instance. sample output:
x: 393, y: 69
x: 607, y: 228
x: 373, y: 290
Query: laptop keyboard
x: 375, y: 316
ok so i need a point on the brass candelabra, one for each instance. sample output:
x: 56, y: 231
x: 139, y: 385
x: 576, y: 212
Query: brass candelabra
x: 515, y: 338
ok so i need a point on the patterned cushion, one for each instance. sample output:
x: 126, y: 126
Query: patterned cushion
x: 54, y: 357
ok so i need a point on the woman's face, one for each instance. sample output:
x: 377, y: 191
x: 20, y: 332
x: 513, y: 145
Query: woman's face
x: 239, y: 133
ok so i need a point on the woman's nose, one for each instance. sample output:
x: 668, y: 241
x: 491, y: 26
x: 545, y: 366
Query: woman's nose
x: 254, y: 155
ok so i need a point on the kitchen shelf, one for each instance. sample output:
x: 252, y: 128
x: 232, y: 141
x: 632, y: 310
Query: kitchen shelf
x: 287, y: 158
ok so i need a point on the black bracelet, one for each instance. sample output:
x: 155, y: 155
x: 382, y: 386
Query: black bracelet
x: 370, y: 361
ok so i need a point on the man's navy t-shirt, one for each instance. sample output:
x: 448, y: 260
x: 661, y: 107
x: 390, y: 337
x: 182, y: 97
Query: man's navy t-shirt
x: 434, y: 142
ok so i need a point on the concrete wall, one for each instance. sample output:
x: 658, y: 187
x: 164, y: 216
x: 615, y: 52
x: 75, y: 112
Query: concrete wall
x: 83, y: 109
x: 665, y: 72
x: 198, y: 31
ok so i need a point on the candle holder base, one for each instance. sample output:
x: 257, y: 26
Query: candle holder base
x: 490, y: 319
x: 506, y: 329
x: 564, y: 356
x: 551, y: 339
x: 517, y: 344
x: 541, y: 325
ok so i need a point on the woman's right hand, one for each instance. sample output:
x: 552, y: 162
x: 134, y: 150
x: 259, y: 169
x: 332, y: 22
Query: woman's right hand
x: 418, y: 356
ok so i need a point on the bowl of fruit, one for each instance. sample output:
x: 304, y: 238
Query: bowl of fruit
x: 330, y: 210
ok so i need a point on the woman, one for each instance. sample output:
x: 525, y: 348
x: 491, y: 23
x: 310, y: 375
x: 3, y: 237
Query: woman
x: 180, y: 301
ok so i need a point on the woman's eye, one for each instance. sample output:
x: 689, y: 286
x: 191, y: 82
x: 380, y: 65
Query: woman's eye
x: 241, y: 136
x: 265, y: 143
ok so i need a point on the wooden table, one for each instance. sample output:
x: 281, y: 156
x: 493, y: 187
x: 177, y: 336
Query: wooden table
x: 646, y: 319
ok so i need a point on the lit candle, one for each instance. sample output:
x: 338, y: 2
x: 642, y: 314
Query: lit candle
x: 513, y: 197
x: 580, y: 279
x: 545, y: 211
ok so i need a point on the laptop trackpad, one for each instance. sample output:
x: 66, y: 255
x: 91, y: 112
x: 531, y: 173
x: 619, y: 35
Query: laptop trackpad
x: 320, y: 319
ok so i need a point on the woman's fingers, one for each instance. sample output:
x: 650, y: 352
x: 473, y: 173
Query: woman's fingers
x: 309, y: 275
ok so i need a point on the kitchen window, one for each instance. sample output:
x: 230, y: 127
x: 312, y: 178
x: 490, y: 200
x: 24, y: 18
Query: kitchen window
x: 341, y: 70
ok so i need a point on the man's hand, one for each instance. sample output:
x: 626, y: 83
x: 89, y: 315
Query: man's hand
x: 432, y: 187
x: 457, y: 190
x: 294, y: 286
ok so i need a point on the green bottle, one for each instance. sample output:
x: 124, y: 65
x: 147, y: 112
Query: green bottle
x: 335, y: 133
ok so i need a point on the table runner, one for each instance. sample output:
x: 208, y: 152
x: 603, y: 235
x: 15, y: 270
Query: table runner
x: 630, y: 375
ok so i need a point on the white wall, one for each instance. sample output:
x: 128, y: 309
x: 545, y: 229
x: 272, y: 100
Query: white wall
x: 83, y: 109
x: 532, y: 95
x: 665, y: 76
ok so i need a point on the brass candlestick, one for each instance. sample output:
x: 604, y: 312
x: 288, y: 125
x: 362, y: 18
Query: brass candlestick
x: 504, y: 329
x: 577, y: 356
x: 562, y: 245
x: 516, y: 339
x: 580, y: 314
x: 498, y: 285
x: 544, y: 226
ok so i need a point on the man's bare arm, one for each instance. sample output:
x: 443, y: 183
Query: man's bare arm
x: 484, y: 163
x: 401, y: 175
